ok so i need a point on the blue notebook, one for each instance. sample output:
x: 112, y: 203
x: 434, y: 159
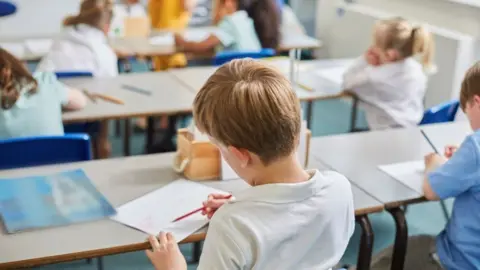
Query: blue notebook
x: 52, y: 200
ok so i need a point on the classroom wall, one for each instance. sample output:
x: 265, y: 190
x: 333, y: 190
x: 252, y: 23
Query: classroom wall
x: 37, y: 18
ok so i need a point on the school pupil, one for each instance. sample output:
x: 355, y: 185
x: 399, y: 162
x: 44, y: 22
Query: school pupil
x: 31, y: 104
x: 457, y: 175
x: 388, y: 79
x: 83, y: 46
x: 235, y: 32
x: 266, y: 16
x: 127, y: 8
x: 289, y: 218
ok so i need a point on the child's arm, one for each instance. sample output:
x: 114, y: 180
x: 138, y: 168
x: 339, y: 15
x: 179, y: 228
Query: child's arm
x: 165, y: 254
x: 356, y: 75
x: 76, y: 100
x: 207, y: 45
x: 457, y: 175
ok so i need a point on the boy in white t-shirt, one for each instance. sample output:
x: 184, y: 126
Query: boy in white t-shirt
x: 290, y: 218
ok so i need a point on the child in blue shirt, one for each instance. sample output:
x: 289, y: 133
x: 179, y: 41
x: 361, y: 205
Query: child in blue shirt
x: 458, y: 176
x: 236, y: 32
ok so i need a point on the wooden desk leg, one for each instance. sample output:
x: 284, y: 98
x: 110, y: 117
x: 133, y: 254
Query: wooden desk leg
x: 366, y: 243
x: 150, y: 131
x: 353, y: 114
x: 401, y: 238
x: 309, y: 110
x: 100, y: 263
x: 126, y: 137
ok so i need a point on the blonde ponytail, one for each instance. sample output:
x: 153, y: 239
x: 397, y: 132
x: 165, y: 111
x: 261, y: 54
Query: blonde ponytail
x: 96, y: 13
x: 422, y: 43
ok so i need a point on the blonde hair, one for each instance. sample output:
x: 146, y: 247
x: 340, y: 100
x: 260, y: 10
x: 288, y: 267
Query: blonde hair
x: 96, y: 13
x: 251, y: 106
x: 400, y: 35
x: 470, y: 85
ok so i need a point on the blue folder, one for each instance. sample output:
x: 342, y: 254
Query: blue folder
x: 52, y: 200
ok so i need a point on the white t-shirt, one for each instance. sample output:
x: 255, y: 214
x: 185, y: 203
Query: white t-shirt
x: 283, y: 226
x: 120, y: 13
x: 81, y: 48
x: 392, y: 94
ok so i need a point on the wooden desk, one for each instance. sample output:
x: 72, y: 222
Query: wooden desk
x: 358, y: 155
x: 120, y: 180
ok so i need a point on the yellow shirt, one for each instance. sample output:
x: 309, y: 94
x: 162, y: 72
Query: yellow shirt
x: 168, y: 14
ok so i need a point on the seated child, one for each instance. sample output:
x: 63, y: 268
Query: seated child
x: 235, y: 32
x: 128, y: 8
x: 290, y: 218
x: 388, y: 79
x: 458, y: 176
x: 31, y: 104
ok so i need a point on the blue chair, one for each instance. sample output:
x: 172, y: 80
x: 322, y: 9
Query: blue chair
x: 44, y: 150
x: 73, y: 74
x: 224, y: 57
x: 441, y: 113
x: 7, y: 8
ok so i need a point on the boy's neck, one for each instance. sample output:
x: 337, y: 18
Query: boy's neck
x: 286, y: 170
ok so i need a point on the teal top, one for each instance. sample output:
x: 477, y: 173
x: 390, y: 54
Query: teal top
x: 36, y: 114
x: 237, y: 33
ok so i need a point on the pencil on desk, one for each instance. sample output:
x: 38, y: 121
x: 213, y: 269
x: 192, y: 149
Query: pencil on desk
x: 429, y: 141
x: 304, y: 86
x: 136, y: 89
x: 196, y: 211
x: 89, y: 96
x: 109, y: 99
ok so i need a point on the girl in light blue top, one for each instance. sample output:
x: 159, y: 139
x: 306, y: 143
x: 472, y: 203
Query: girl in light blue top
x: 31, y: 104
x: 236, y: 32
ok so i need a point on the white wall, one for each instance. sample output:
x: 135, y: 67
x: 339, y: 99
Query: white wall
x: 36, y: 18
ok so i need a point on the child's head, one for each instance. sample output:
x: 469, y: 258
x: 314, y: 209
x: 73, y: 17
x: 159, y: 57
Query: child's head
x: 266, y: 20
x: 251, y: 113
x: 96, y: 13
x: 470, y: 96
x: 396, y: 39
x: 14, y: 80
x: 225, y: 7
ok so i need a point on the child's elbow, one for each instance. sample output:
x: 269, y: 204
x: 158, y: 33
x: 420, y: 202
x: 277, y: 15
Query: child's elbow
x: 76, y: 100
x: 428, y: 192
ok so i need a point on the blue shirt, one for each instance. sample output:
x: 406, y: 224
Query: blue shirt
x: 36, y: 114
x: 237, y: 33
x: 458, y: 246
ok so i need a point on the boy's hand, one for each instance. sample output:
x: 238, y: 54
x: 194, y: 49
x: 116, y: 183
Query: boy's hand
x: 214, y: 202
x: 372, y: 57
x: 432, y: 161
x: 179, y: 40
x: 450, y: 150
x: 165, y: 254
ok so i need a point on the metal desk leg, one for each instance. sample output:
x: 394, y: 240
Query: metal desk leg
x: 126, y: 137
x: 401, y: 239
x: 353, y: 114
x: 197, y: 251
x: 309, y: 110
x: 100, y: 263
x: 366, y: 243
x: 150, y: 131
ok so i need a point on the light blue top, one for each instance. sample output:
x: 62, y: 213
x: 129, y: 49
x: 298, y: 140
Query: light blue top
x: 458, y: 246
x: 237, y: 33
x: 36, y: 114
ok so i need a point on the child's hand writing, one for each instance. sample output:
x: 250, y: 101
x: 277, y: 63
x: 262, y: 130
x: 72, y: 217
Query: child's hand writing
x: 450, y: 150
x: 165, y: 254
x: 214, y: 202
x: 432, y: 161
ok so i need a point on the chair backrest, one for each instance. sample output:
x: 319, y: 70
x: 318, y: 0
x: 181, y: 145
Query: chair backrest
x: 441, y: 113
x: 73, y: 74
x: 44, y: 150
x: 224, y: 57
x: 7, y: 8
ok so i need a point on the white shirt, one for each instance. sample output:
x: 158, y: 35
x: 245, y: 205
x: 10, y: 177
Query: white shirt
x: 392, y: 93
x: 120, y: 13
x: 81, y: 48
x: 283, y: 226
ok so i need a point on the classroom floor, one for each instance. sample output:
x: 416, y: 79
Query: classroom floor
x: 330, y: 117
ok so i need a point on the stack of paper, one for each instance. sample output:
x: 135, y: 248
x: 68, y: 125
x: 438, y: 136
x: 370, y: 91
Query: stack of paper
x: 156, y: 211
x: 410, y: 173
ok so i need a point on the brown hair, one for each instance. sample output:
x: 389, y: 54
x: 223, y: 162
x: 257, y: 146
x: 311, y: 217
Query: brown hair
x: 14, y: 76
x: 470, y: 85
x: 399, y: 34
x: 95, y: 13
x: 251, y: 106
x: 266, y: 20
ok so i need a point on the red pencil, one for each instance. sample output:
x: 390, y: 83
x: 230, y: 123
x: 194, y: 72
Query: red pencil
x: 196, y: 211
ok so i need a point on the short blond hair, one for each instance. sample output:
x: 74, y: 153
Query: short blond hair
x: 470, y: 85
x: 249, y: 105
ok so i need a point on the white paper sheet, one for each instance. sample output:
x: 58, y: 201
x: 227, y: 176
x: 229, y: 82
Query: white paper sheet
x: 163, y: 40
x: 334, y: 74
x: 410, y: 173
x: 197, y: 35
x: 302, y: 145
x: 39, y: 46
x: 17, y: 49
x: 155, y: 211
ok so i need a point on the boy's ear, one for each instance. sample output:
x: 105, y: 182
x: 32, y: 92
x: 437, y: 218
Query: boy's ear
x: 240, y: 154
x: 476, y: 100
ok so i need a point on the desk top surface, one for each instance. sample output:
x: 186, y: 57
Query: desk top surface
x: 120, y: 180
